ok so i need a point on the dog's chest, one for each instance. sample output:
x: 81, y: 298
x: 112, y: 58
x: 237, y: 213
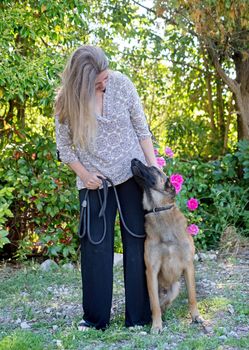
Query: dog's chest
x: 169, y: 236
x: 165, y: 228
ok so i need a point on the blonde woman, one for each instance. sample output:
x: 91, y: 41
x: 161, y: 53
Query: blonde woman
x: 100, y: 128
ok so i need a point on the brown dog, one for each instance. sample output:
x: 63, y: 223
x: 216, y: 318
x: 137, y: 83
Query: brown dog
x: 169, y: 249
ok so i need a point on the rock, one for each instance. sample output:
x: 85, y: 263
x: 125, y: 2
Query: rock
x: 223, y: 337
x: 25, y: 325
x: 135, y: 328
x: 243, y: 329
x: 230, y: 309
x: 68, y: 267
x: 207, y: 329
x: 196, y: 257
x: 207, y: 256
x: 49, y: 265
x: 59, y: 343
x: 202, y: 256
x: 118, y: 259
x: 233, y: 334
x: 212, y: 256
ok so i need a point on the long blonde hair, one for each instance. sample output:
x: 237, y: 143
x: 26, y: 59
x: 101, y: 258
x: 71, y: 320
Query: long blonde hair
x: 76, y: 97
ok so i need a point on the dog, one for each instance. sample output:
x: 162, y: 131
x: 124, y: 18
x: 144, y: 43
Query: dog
x: 169, y: 249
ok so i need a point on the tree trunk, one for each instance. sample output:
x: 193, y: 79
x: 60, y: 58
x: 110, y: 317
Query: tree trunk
x: 239, y: 86
x: 220, y: 107
x: 242, y: 77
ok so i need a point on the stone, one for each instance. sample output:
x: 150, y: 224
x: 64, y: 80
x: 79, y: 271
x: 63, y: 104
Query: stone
x: 230, y: 309
x: 208, y: 256
x: 212, y: 256
x: 223, y: 337
x: 143, y: 333
x: 233, y: 334
x: 118, y: 259
x: 68, y: 267
x: 196, y: 257
x: 203, y: 256
x: 48, y: 265
x: 24, y: 325
x: 59, y: 343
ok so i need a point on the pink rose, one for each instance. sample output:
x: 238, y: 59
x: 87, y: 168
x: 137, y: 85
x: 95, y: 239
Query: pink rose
x: 192, y: 204
x: 161, y: 162
x: 176, y: 178
x: 177, y: 187
x: 156, y: 151
x: 193, y: 229
x: 168, y: 151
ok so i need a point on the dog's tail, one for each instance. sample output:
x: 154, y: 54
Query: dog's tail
x: 167, y: 298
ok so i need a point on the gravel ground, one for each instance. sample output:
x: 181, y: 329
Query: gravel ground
x: 50, y: 303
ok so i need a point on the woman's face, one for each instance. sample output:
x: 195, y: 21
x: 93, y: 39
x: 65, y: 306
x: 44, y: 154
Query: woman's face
x: 101, y: 79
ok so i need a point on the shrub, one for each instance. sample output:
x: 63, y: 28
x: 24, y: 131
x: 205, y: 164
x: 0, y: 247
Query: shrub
x: 5, y: 201
x: 222, y: 195
x: 39, y: 211
x: 44, y: 200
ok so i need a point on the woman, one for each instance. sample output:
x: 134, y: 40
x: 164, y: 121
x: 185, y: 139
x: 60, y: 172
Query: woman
x: 100, y: 128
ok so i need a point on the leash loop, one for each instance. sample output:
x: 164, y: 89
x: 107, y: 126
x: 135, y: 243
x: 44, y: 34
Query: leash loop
x: 84, y: 226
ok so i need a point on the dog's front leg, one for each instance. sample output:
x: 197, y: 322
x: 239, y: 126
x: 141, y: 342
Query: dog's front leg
x: 152, y: 270
x: 189, y: 276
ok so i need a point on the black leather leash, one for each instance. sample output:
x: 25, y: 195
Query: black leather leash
x: 84, y: 227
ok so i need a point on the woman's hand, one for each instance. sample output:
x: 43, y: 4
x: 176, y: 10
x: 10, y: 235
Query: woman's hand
x: 92, y: 181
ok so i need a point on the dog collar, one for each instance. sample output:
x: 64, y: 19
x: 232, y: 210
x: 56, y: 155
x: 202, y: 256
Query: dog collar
x: 156, y: 210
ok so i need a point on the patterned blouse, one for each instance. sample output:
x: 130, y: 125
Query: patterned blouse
x: 120, y: 128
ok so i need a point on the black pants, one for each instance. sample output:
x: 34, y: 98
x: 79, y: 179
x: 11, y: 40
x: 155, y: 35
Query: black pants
x: 97, y: 260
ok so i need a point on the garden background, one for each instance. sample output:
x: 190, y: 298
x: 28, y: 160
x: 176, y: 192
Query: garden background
x: 189, y: 61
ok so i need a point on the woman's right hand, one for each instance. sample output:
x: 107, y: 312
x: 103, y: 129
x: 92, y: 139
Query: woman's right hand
x: 92, y: 181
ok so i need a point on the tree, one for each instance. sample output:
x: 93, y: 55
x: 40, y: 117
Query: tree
x: 222, y: 29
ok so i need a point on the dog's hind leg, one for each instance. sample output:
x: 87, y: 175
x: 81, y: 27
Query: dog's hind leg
x: 189, y: 276
x: 166, y: 297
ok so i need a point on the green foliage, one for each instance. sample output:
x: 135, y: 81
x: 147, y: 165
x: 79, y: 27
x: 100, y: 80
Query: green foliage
x: 22, y: 340
x: 39, y: 200
x: 5, y: 201
x: 165, y: 63
x: 39, y: 205
x: 243, y: 156
x: 223, y: 197
x: 43, y: 202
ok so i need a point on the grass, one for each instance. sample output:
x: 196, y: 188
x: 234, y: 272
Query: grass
x: 51, y: 304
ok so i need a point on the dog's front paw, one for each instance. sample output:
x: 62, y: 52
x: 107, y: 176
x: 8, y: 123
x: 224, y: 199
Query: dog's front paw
x: 156, y: 328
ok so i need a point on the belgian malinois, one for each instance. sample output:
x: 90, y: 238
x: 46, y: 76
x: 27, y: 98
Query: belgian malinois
x: 169, y: 249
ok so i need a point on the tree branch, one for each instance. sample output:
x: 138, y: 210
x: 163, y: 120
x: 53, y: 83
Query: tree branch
x: 234, y: 86
x: 169, y: 20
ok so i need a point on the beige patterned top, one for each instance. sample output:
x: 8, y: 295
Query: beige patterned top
x: 120, y: 128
